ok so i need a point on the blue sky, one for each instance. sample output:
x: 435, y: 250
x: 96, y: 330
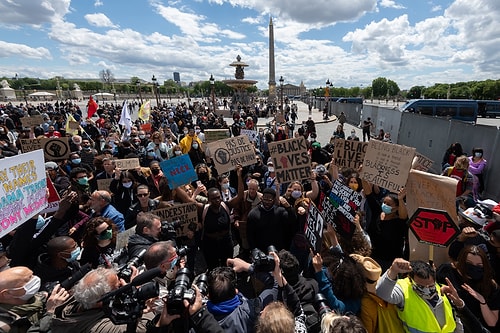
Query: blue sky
x: 349, y: 42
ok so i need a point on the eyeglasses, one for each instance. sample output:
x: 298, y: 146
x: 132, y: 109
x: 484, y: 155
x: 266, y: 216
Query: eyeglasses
x: 141, y: 195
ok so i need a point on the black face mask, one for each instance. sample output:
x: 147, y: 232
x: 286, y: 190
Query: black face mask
x: 476, y: 273
x: 203, y: 176
x: 155, y: 171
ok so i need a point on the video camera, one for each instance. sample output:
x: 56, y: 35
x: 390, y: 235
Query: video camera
x: 167, y: 231
x: 125, y: 271
x: 320, y: 305
x: 70, y: 281
x: 182, y: 290
x: 261, y: 261
x: 125, y: 304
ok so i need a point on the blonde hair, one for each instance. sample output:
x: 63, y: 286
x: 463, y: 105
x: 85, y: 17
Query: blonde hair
x: 276, y: 318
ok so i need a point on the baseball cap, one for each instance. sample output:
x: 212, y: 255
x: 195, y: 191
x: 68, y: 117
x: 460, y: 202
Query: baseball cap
x: 51, y: 166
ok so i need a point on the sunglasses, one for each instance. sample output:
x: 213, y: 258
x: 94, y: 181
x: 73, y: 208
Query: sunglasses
x: 141, y: 195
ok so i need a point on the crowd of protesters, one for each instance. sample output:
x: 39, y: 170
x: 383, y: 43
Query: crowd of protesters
x: 261, y: 274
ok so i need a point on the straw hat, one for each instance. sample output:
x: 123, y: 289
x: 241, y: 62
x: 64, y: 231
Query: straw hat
x: 372, y: 271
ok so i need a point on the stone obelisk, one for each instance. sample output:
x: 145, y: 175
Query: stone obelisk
x: 272, y: 77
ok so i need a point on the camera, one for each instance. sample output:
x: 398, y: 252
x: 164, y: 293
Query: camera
x: 320, y: 305
x: 261, y: 261
x: 182, y: 290
x: 125, y: 271
x: 167, y: 231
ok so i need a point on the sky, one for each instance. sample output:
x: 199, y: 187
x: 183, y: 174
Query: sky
x: 348, y: 42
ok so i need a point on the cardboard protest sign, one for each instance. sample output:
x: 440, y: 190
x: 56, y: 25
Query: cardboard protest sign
x: 387, y: 165
x: 53, y: 199
x: 314, y: 227
x: 32, y: 121
x: 122, y: 238
x: 127, y: 163
x: 103, y: 184
x: 73, y: 125
x: 184, y: 217
x: 422, y: 163
x: 212, y: 135
x: 228, y: 153
x: 252, y: 135
x: 429, y: 191
x: 53, y: 148
x: 433, y: 227
x: 179, y: 171
x: 349, y: 153
x: 23, y: 187
x: 345, y: 200
x: 291, y: 159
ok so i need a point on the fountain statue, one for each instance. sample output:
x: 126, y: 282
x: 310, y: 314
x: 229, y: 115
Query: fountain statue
x: 239, y: 84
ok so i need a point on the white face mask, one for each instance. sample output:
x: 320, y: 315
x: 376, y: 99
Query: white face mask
x: 127, y: 185
x: 270, y: 169
x: 177, y: 152
x: 30, y: 288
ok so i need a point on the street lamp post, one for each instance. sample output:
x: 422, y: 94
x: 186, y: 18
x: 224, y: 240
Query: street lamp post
x: 327, y: 99
x: 281, y: 93
x: 155, y: 90
x: 212, y: 87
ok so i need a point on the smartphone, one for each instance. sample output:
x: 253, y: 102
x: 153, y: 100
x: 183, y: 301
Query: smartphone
x: 198, y: 183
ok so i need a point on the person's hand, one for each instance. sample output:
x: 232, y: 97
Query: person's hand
x: 239, y: 170
x: 166, y: 318
x: 313, y: 175
x: 401, y: 193
x: 284, y: 202
x: 237, y: 224
x: 399, y: 265
x: 117, y: 173
x: 67, y: 200
x: 451, y: 292
x: 278, y: 276
x: 317, y: 262
x: 71, y: 231
x: 58, y: 296
x: 467, y: 232
x: 197, y: 304
x: 238, y: 265
x: 480, y: 298
x: 134, y: 274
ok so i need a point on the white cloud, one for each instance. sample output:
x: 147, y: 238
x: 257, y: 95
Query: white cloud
x: 98, y: 3
x: 99, y: 20
x: 32, y: 12
x: 391, y: 4
x: 23, y: 51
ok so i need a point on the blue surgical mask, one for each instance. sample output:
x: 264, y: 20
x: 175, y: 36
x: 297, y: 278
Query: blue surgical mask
x: 76, y: 160
x: 40, y: 222
x: 478, y: 154
x: 195, y: 146
x: 83, y: 181
x: 127, y: 184
x: 386, y: 208
x: 74, y: 255
x: 225, y: 186
x: 296, y: 194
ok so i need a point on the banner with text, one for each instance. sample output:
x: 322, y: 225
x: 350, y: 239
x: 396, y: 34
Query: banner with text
x: 291, y: 159
x: 387, y: 165
x: 23, y: 189
x: 422, y: 162
x: 314, y: 227
x: 349, y: 153
x: 179, y: 171
x: 228, y: 153
x: 184, y: 217
x: 428, y: 190
x: 212, y: 135
x: 252, y: 135
x: 53, y: 148
x: 127, y: 163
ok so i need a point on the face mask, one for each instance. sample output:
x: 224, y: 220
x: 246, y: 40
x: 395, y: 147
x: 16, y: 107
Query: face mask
x: 386, y: 208
x: 155, y: 171
x: 195, y: 146
x: 185, y: 132
x: 476, y: 273
x: 74, y: 255
x: 151, y: 154
x: 197, y: 131
x: 142, y: 137
x: 76, y: 160
x: 127, y: 185
x: 225, y: 186
x: 270, y: 169
x: 86, y: 148
x: 30, y: 288
x: 354, y: 187
x: 296, y: 194
x: 478, y: 154
x: 83, y: 181
x: 178, y: 153
x: 108, y: 234
x: 40, y: 222
x: 203, y: 176
x: 425, y: 293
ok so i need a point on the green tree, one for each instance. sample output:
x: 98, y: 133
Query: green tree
x: 380, y: 87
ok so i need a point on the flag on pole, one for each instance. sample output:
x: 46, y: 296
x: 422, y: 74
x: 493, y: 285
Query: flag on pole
x: 72, y: 126
x: 145, y: 111
x: 125, y: 121
x: 91, y: 107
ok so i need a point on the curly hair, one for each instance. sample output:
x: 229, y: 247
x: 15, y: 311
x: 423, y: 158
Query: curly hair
x: 89, y: 235
x: 348, y: 280
x: 95, y: 284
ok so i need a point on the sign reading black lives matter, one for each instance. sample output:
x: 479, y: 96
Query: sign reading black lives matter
x: 228, y: 153
x: 349, y: 153
x: 387, y: 165
x: 291, y: 159
x: 53, y: 148
x: 314, y: 228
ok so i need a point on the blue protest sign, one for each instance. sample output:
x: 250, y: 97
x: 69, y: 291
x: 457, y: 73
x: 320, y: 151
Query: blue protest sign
x: 178, y: 171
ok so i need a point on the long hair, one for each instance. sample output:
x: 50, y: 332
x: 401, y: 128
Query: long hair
x: 346, y: 274
x: 487, y: 284
x: 89, y: 235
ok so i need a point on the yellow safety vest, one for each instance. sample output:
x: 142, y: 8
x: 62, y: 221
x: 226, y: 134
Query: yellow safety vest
x: 418, y: 317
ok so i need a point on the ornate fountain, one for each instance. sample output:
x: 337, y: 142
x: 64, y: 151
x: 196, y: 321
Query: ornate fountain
x: 239, y: 84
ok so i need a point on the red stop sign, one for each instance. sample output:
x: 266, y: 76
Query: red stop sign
x: 434, y: 227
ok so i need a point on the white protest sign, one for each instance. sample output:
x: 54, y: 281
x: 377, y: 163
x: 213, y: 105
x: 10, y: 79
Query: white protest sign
x: 23, y: 187
x: 291, y: 159
x: 228, y: 153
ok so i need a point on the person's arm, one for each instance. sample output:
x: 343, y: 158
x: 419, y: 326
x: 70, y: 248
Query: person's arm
x: 402, y: 211
x: 387, y: 288
x: 292, y: 301
x: 314, y: 192
x: 233, y: 203
x: 490, y: 316
x: 325, y: 287
x: 477, y: 169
